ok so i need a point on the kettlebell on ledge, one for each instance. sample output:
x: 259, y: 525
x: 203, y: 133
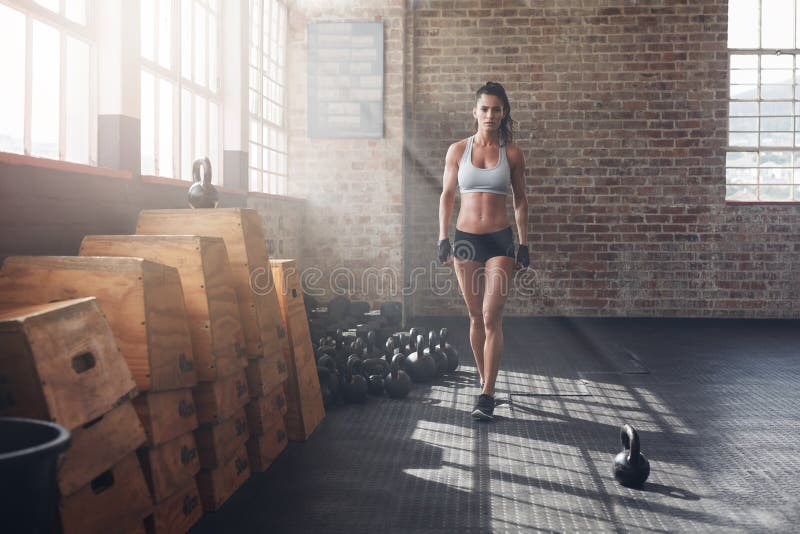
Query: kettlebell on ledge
x: 631, y: 468
x: 201, y: 193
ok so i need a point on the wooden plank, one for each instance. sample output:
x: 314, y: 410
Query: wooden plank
x: 142, y: 301
x: 242, y: 231
x: 178, y: 513
x: 98, y: 446
x: 265, y: 449
x: 117, y: 496
x: 212, y: 308
x: 217, y: 443
x: 264, y: 411
x: 60, y: 363
x: 219, y: 400
x: 167, y: 467
x: 166, y: 415
x: 217, y: 485
x: 265, y: 374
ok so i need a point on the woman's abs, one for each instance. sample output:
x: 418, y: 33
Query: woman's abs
x: 482, y: 213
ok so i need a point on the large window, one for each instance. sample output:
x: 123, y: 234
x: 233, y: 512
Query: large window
x: 763, y: 159
x: 180, y: 95
x: 47, y: 103
x: 267, y: 101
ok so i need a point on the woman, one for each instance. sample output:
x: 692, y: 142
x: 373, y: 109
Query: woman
x: 483, y: 167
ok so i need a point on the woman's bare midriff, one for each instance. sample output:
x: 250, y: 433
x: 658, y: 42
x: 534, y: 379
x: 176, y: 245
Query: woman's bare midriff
x: 482, y: 213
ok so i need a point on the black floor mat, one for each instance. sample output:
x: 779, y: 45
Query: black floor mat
x: 714, y: 401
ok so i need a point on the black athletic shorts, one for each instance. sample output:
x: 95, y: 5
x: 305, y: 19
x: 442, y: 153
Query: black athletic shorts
x: 481, y: 247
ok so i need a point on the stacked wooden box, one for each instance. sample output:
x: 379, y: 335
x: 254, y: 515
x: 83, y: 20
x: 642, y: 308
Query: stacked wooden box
x: 143, y: 304
x: 304, y: 398
x: 264, y: 335
x: 218, y: 346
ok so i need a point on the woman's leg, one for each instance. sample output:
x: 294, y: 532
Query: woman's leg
x: 499, y: 271
x: 470, y: 279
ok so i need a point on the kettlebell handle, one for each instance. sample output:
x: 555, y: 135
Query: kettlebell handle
x: 206, y: 164
x: 630, y: 441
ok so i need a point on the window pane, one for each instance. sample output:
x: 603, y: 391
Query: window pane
x: 741, y: 159
x: 776, y: 108
x: 749, y: 124
x: 741, y: 193
x: 147, y: 15
x: 777, y: 24
x: 776, y: 92
x: 776, y: 159
x: 741, y: 176
x: 200, y: 75
x: 186, y: 39
x: 200, y: 127
x: 775, y: 193
x: 44, y: 97
x: 165, y: 167
x: 254, y: 180
x: 77, y: 101
x: 165, y: 33
x: 743, y: 139
x: 148, y: 124
x: 742, y: 61
x: 187, y: 138
x: 776, y: 176
x: 743, y: 109
x: 776, y: 124
x: 76, y: 11
x: 213, y: 48
x: 776, y: 139
x: 742, y: 76
x: 12, y: 90
x: 743, y: 92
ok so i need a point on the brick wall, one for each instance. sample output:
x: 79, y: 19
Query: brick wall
x: 621, y: 114
x: 354, y: 208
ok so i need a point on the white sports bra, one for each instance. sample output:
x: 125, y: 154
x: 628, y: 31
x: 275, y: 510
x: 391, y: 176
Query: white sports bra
x: 472, y: 179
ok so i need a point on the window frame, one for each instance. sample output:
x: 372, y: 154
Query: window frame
x: 757, y: 151
x: 261, y: 177
x: 66, y: 28
x: 212, y: 96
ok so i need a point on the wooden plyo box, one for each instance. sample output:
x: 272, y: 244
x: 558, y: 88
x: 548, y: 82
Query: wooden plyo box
x: 99, y: 446
x: 178, y: 513
x: 217, y: 485
x: 118, y: 496
x: 169, y: 466
x: 59, y: 362
x: 264, y: 449
x: 263, y: 412
x: 265, y: 374
x: 142, y: 300
x: 216, y: 444
x: 247, y: 253
x: 212, y: 307
x: 166, y: 415
x: 304, y: 399
x: 217, y: 401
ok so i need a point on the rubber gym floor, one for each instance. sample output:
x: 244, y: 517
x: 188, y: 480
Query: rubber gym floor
x: 715, y: 403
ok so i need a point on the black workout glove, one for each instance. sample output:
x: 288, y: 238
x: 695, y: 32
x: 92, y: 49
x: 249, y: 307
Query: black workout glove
x: 445, y: 250
x: 523, y: 256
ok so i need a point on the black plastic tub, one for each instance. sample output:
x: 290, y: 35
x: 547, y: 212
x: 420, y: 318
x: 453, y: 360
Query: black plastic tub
x: 29, y: 452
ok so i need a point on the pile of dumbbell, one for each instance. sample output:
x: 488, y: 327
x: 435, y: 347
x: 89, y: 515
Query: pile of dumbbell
x: 360, y: 352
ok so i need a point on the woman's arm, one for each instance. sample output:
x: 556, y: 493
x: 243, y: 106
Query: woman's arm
x: 448, y: 196
x: 517, y: 162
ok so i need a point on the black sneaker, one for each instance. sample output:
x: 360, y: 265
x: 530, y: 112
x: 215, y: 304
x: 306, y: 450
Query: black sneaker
x: 484, y: 408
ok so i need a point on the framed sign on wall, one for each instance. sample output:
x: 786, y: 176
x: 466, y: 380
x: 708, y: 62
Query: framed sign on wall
x: 345, y: 80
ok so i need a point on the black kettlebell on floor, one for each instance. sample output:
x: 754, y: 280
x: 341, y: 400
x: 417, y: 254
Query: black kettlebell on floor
x: 202, y: 194
x: 355, y: 387
x: 631, y: 468
x: 448, y: 350
x: 397, y: 382
x: 419, y: 365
